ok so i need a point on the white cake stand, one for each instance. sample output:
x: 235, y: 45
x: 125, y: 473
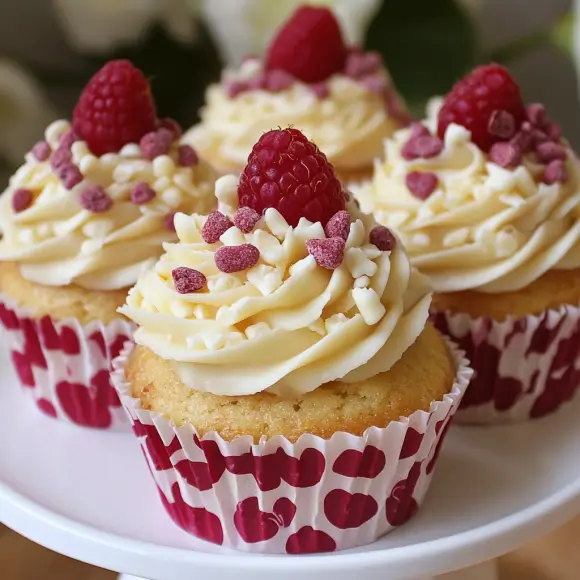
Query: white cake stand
x: 87, y: 494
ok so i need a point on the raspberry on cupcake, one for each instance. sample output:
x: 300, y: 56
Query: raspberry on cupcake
x: 339, y: 96
x: 484, y: 196
x: 86, y: 212
x: 283, y: 353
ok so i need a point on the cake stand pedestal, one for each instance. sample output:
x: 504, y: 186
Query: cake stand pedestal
x: 88, y: 495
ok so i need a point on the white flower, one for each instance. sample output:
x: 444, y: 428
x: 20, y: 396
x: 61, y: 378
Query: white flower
x: 97, y: 26
x: 246, y: 26
x: 24, y: 112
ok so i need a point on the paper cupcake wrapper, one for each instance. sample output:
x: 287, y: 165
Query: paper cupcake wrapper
x: 314, y: 495
x: 524, y: 368
x: 65, y: 367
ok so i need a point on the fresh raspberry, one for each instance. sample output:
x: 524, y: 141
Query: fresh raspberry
x: 473, y: 101
x: 287, y: 172
x: 309, y: 46
x: 115, y: 108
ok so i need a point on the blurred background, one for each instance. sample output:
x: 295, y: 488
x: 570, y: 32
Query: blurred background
x: 50, y: 48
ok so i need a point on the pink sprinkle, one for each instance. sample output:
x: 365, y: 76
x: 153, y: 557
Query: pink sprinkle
x: 215, y: 225
x: 187, y: 280
x: 258, y: 82
x: 278, y: 81
x: 234, y: 88
x: 505, y: 154
x: 321, y: 90
x: 230, y: 259
x: 338, y: 225
x: 548, y: 151
x: 171, y: 125
x: 169, y: 222
x: 555, y: 172
x: 421, y: 184
x: 142, y: 193
x: 418, y: 130
x: 327, y: 253
x: 95, y: 199
x: 362, y: 64
x: 553, y: 131
x: 60, y: 157
x: 41, y: 151
x: 354, y: 65
x: 383, y: 238
x: 538, y: 137
x: 375, y: 84
x: 523, y: 139
x: 156, y: 143
x: 187, y: 156
x: 502, y: 124
x: 372, y: 62
x: 67, y: 139
x: 537, y: 114
x: 245, y: 219
x: 424, y: 147
x: 21, y: 199
x: 69, y: 175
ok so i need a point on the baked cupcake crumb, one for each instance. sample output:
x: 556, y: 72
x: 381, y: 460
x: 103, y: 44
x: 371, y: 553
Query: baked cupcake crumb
x: 421, y: 376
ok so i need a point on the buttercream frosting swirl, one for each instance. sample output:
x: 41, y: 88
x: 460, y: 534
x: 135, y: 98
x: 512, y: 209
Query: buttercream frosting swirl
x: 349, y: 124
x: 57, y: 241
x: 286, y: 325
x: 484, y: 227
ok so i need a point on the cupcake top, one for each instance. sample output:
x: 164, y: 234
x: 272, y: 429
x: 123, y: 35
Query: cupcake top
x: 95, y: 200
x: 255, y: 298
x: 485, y: 193
x: 341, y: 98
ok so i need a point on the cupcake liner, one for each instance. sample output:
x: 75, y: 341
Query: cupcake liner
x: 65, y: 367
x: 524, y: 368
x: 314, y: 495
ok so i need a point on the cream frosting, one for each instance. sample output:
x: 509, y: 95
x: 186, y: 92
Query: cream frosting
x: 287, y: 325
x: 349, y: 125
x: 484, y: 227
x: 57, y: 242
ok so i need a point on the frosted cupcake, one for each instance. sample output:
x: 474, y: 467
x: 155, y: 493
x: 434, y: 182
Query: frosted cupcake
x: 80, y: 219
x: 485, y: 196
x: 279, y: 365
x: 340, y: 97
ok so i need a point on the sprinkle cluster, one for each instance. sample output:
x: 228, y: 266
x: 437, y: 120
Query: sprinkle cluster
x: 538, y: 136
x: 421, y: 144
x: 327, y: 252
x: 366, y: 68
x: 70, y: 165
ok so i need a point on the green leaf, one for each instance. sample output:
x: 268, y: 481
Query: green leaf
x: 563, y: 33
x: 427, y: 46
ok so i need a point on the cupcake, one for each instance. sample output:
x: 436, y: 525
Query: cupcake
x: 87, y: 211
x: 340, y: 97
x: 485, y: 196
x: 280, y: 361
